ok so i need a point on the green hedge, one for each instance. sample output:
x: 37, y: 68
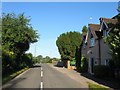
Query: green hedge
x: 84, y: 65
x: 101, y: 71
x: 9, y: 77
x: 72, y: 62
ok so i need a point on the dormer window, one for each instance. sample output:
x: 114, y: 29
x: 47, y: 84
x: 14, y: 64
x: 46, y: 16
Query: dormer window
x: 92, y: 40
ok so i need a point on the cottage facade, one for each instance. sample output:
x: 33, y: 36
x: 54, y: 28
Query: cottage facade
x: 94, y: 46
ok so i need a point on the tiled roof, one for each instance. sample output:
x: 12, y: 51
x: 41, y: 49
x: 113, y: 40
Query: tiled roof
x: 108, y: 20
x: 93, y: 28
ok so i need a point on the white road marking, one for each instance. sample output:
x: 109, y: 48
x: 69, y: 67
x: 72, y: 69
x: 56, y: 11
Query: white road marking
x: 41, y: 85
x: 41, y: 73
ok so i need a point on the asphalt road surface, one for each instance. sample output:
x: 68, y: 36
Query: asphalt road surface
x: 40, y: 77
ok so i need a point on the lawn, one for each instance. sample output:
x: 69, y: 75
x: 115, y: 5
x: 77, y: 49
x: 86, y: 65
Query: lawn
x: 93, y: 86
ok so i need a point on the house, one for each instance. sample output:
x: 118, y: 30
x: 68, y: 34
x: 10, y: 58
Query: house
x: 94, y: 46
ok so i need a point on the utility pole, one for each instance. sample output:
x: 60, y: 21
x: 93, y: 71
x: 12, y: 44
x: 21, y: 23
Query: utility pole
x: 35, y: 50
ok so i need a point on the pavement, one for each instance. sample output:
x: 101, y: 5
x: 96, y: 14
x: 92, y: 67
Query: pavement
x: 76, y: 76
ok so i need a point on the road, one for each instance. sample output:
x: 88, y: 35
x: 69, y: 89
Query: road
x: 42, y: 76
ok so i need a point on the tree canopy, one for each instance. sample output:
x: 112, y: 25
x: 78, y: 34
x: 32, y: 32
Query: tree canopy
x: 17, y: 35
x: 114, y: 41
x: 84, y: 30
x: 67, y: 44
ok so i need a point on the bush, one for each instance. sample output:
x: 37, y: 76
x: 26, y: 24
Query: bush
x: 84, y: 65
x: 49, y: 61
x: 27, y: 60
x: 101, y: 71
x: 8, y: 62
x: 72, y: 62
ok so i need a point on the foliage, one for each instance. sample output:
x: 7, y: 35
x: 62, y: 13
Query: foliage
x: 27, y: 59
x: 84, y: 30
x: 47, y: 59
x: 113, y: 40
x: 101, y: 71
x: 78, y: 54
x: 84, y: 64
x: 37, y: 59
x: 8, y: 61
x: 67, y: 43
x: 55, y: 59
x: 94, y: 86
x: 118, y: 9
x: 17, y: 35
x: 72, y: 62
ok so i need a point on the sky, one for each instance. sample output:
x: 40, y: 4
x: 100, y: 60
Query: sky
x: 51, y: 19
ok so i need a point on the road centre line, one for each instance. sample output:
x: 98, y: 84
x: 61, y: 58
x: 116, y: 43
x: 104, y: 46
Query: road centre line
x: 41, y: 85
x: 41, y: 73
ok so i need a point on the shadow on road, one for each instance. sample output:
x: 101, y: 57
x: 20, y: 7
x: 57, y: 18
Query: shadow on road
x: 36, y: 66
x: 110, y: 82
x: 13, y: 83
x: 58, y: 66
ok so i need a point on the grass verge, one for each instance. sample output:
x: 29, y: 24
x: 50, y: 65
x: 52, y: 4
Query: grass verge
x: 13, y: 75
x: 93, y: 86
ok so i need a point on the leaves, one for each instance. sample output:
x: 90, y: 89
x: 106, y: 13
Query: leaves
x: 114, y: 41
x: 67, y: 43
x: 84, y: 30
x: 17, y: 33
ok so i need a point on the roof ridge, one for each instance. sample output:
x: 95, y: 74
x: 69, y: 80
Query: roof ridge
x: 107, y: 18
x: 93, y: 24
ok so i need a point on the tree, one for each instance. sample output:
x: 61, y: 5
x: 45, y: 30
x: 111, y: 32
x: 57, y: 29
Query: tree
x: 118, y: 9
x: 17, y: 35
x: 114, y: 41
x: 79, y: 49
x: 84, y: 30
x: 67, y: 43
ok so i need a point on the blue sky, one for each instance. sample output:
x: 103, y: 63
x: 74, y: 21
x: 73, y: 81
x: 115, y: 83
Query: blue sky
x: 52, y: 19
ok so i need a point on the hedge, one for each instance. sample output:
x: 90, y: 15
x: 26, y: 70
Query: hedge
x: 101, y: 71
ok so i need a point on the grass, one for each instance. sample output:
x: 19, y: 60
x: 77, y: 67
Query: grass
x: 93, y: 86
x: 13, y: 75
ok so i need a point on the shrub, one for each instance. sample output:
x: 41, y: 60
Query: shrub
x: 72, y: 62
x: 101, y: 71
x: 49, y: 61
x: 8, y: 62
x: 27, y: 60
x: 84, y: 64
